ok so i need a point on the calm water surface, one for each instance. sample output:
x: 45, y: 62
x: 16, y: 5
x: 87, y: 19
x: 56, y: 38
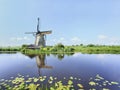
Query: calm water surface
x: 77, y: 65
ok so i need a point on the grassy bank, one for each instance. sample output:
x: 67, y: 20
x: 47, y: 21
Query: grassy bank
x: 9, y: 49
x: 60, y: 48
x: 90, y: 49
x: 97, y: 49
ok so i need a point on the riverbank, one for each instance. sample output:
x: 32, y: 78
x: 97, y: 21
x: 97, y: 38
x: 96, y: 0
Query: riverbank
x: 90, y: 49
x: 10, y: 49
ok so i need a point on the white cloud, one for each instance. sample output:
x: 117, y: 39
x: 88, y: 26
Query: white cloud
x: 19, y: 38
x: 69, y: 41
x: 75, y: 39
x: 56, y: 41
x: 102, y: 37
x: 114, y: 40
x: 62, y: 38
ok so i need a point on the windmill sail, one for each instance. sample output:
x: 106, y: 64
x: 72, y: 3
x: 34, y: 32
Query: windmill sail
x: 38, y: 26
x: 46, y: 32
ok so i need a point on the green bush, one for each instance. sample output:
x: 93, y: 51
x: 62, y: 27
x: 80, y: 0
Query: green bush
x: 59, y: 46
x: 53, y: 49
x: 24, y: 46
x: 90, y: 45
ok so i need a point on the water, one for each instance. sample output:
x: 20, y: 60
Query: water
x: 77, y: 65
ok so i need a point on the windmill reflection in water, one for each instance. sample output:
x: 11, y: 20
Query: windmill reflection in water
x: 41, y: 62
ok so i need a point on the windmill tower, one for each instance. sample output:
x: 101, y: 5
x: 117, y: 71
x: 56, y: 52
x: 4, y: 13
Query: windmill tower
x: 40, y: 37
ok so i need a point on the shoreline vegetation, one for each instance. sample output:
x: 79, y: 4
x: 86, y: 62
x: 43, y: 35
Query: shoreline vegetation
x: 60, y: 48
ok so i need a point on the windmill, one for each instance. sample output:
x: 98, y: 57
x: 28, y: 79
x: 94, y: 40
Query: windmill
x: 40, y: 37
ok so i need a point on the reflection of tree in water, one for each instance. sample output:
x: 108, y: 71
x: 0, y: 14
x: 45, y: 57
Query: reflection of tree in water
x: 40, y: 61
x: 69, y: 54
x: 48, y: 54
x: 54, y: 54
x: 60, y: 56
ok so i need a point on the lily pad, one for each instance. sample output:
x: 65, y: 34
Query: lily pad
x: 51, y: 78
x: 71, y: 77
x: 35, y: 79
x: 99, y: 77
x: 106, y: 89
x: 92, y: 83
x: 114, y: 83
x: 70, y: 82
x: 80, y: 85
x: 32, y: 86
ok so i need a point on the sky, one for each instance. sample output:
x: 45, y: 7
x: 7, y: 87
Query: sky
x: 72, y: 22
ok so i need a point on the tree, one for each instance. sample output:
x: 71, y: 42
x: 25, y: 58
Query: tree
x: 81, y: 44
x: 90, y: 45
x: 59, y: 46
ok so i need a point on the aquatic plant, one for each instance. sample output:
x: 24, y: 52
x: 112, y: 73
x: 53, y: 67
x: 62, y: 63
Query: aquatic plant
x: 52, y: 83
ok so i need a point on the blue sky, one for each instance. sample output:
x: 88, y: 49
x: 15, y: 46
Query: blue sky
x: 71, y: 21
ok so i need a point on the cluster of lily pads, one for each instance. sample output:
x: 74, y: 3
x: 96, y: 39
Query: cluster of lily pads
x: 53, y: 83
x: 101, y: 84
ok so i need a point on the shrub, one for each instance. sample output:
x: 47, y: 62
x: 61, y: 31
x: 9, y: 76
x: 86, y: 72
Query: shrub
x: 59, y: 46
x: 24, y: 46
x: 53, y: 49
x: 90, y: 45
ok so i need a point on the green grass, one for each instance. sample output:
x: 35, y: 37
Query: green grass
x: 59, y: 48
x: 74, y: 49
x: 9, y: 49
x: 98, y: 49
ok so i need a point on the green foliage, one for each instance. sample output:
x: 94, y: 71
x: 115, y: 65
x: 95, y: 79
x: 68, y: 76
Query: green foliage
x: 69, y: 49
x: 59, y: 46
x: 8, y: 49
x: 24, y: 46
x: 90, y: 45
x: 97, y: 49
x: 53, y: 49
x: 81, y: 44
x: 52, y: 83
x: 32, y: 86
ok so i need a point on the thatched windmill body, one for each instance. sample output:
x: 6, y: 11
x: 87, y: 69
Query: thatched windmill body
x: 40, y: 36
